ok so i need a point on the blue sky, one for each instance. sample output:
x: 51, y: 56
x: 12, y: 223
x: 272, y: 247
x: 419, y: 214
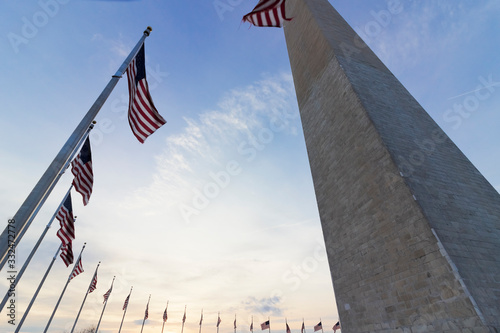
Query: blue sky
x: 252, y: 244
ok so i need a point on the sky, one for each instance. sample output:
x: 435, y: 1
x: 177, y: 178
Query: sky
x: 216, y: 211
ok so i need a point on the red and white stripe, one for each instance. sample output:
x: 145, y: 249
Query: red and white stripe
x: 267, y: 13
x: 143, y: 117
x: 126, y: 302
x: 67, y: 254
x: 78, y: 269
x: 106, y: 295
x: 67, y: 231
x: 84, y: 177
x: 93, y: 285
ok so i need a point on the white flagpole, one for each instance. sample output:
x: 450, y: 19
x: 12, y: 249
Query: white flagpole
x: 66, y: 285
x: 125, y: 311
x: 147, y: 308
x: 86, y: 294
x: 13, y: 232
x: 105, y: 303
x: 37, y: 291
x: 26, y: 263
x: 164, y: 320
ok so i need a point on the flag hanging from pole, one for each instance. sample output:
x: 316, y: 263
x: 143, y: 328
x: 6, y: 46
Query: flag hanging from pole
x: 184, y: 317
x: 146, y: 312
x: 126, y: 302
x: 78, y: 269
x: 288, y: 329
x: 251, y: 327
x: 303, y: 329
x: 265, y: 325
x: 81, y: 167
x: 318, y: 327
x: 143, y: 117
x: 67, y: 254
x: 234, y: 322
x: 165, y: 317
x: 201, y: 319
x: 106, y: 295
x: 336, y: 326
x: 218, y: 319
x: 66, y: 233
x: 93, y: 284
x: 267, y: 13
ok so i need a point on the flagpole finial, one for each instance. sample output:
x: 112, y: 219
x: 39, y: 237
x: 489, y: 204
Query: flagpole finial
x: 148, y: 31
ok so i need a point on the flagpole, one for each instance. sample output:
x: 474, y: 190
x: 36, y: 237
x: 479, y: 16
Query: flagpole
x: 104, y: 307
x: 145, y: 314
x: 37, y: 291
x: 65, y: 286
x: 119, y: 330
x: 201, y: 320
x: 86, y: 294
x: 183, y: 319
x: 164, y: 319
x: 13, y: 232
x: 26, y: 263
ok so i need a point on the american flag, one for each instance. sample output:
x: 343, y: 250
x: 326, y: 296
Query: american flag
x: 218, y: 320
x: 184, y: 317
x: 265, y: 325
x: 93, y: 284
x: 318, y: 327
x: 81, y: 167
x: 165, y: 317
x: 288, y: 328
x: 303, y: 329
x: 251, y: 327
x: 143, y: 117
x: 201, y: 319
x: 66, y: 233
x: 235, y: 323
x: 126, y: 302
x: 106, y: 295
x: 78, y: 269
x: 146, y: 313
x: 67, y: 254
x: 267, y: 13
x: 336, y: 326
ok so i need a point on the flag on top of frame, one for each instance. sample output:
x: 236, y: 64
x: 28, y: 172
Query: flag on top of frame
x: 81, y: 167
x: 143, y: 117
x: 267, y: 13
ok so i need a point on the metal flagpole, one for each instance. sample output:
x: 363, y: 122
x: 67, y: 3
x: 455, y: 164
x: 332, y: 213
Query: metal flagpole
x: 26, y: 263
x: 39, y: 206
x: 67, y: 282
x: 201, y: 320
x: 13, y: 232
x: 165, y: 318
x: 86, y: 294
x: 125, y: 310
x: 147, y: 306
x: 37, y: 291
x: 104, y: 307
x: 183, y: 319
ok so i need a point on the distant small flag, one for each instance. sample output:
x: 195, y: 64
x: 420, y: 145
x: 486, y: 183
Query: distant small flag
x: 336, y: 326
x: 235, y: 322
x: 78, y: 269
x: 165, y: 317
x: 201, y: 319
x: 66, y: 233
x: 106, y: 295
x: 288, y: 328
x: 143, y: 117
x: 251, y: 327
x: 318, y: 327
x: 67, y: 254
x: 146, y: 312
x: 126, y: 302
x: 265, y: 325
x: 303, y: 329
x: 93, y: 284
x: 267, y: 13
x: 218, y: 320
x: 81, y: 167
x: 184, y: 316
